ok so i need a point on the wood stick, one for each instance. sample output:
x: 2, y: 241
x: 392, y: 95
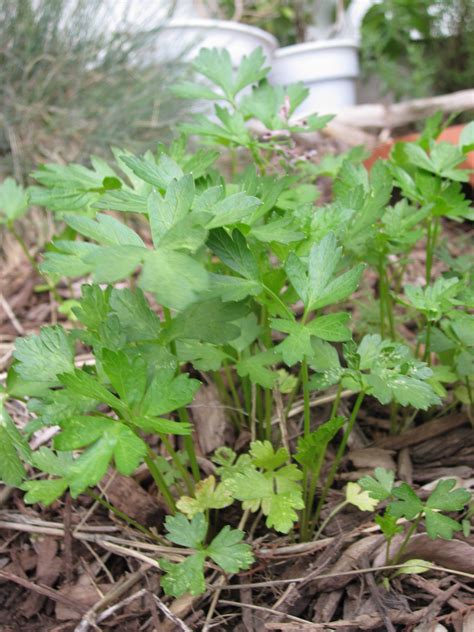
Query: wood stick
x: 376, y: 115
x: 426, y: 431
x: 43, y: 590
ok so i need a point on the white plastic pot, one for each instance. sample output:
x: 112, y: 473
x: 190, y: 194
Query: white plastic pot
x: 190, y: 35
x: 329, y: 69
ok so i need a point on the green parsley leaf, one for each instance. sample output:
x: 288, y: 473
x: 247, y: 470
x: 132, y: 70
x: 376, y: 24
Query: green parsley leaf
x: 185, y: 577
x: 255, y: 367
x: 313, y: 447
x: 43, y: 357
x: 14, y: 201
x: 446, y: 498
x: 380, y: 485
x: 229, y: 552
x: 226, y: 549
x: 407, y: 505
x: 264, y: 455
x: 162, y: 268
x: 13, y: 448
x: 276, y: 491
x: 389, y: 526
x: 186, y: 533
x: 319, y: 286
x: 440, y: 526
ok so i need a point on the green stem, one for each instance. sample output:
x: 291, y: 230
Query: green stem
x: 391, y: 319
x: 222, y: 389
x: 189, y: 446
x: 306, y: 401
x: 182, y: 412
x: 469, y: 394
x: 177, y: 463
x: 247, y: 390
x: 309, y: 496
x: 328, y: 519
x: 336, y: 403
x: 32, y: 261
x: 429, y: 254
x: 125, y: 517
x: 306, y: 433
x: 431, y: 239
x: 258, y: 159
x: 234, y: 393
x: 339, y: 454
x: 427, y: 355
x: 24, y: 248
x: 386, y: 304
x: 268, y: 413
x: 406, y: 539
x: 314, y: 478
x: 160, y: 481
x: 293, y: 394
x: 285, y: 308
x: 381, y: 307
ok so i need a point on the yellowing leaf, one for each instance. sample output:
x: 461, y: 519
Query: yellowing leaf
x: 414, y: 567
x: 355, y: 495
x: 208, y: 495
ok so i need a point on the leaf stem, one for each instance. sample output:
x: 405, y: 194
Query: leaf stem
x: 469, y: 394
x: 336, y: 402
x: 125, y: 517
x: 179, y: 466
x: 275, y: 296
x: 431, y: 239
x: 32, y: 261
x: 406, y: 539
x: 189, y: 446
x: 427, y: 354
x: 306, y: 433
x: 160, y: 481
x: 313, y: 477
x: 306, y: 402
x: 309, y: 494
x: 268, y: 413
x: 234, y: 393
x: 293, y: 394
x: 386, y: 304
x: 24, y: 247
x: 182, y: 412
x: 339, y: 454
x: 328, y: 519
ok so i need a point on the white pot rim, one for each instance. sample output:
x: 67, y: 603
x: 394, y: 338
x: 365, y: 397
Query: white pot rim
x: 296, y: 49
x: 223, y: 25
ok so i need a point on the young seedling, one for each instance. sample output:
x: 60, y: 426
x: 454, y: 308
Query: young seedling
x: 226, y: 550
x: 404, y: 503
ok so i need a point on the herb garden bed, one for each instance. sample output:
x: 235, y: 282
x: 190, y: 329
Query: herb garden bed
x: 249, y: 407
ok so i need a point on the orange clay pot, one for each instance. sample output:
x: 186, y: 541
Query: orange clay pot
x: 449, y: 135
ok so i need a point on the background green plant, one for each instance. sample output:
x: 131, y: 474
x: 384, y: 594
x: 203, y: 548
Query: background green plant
x: 71, y: 85
x: 419, y: 48
x: 288, y: 20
